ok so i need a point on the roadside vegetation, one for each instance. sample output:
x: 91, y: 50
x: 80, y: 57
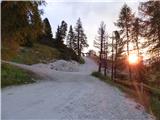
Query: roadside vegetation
x: 151, y: 100
x: 12, y: 75
x: 37, y: 54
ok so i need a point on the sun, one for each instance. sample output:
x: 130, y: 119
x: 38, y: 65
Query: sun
x: 133, y: 59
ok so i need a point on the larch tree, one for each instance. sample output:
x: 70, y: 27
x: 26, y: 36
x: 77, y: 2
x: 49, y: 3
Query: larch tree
x: 150, y: 14
x: 135, y: 31
x: 80, y: 37
x: 99, y: 43
x: 106, y: 44
x: 117, y: 57
x: 124, y: 23
x: 117, y: 38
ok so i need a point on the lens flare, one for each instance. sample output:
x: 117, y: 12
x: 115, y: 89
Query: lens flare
x: 133, y: 59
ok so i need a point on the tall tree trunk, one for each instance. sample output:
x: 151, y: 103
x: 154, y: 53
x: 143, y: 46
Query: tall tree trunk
x: 137, y: 48
x: 115, y: 65
x: 100, y: 62
x: 105, y: 65
x: 78, y: 47
x: 100, y: 57
x: 159, y: 42
x: 129, y: 67
x: 112, y: 77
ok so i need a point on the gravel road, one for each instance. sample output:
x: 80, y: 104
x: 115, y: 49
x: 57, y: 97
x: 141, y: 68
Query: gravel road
x: 68, y: 95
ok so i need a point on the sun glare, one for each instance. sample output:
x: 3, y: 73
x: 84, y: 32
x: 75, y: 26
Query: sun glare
x: 133, y: 58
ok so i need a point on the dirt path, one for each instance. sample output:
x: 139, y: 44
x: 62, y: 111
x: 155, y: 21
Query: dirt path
x: 68, y: 95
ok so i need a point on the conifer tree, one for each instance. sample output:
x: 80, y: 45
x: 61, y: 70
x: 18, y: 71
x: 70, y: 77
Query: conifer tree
x: 124, y: 23
x: 61, y: 34
x: 150, y: 14
x: 47, y: 29
x: 81, y: 38
x: 71, y: 38
x: 100, y: 43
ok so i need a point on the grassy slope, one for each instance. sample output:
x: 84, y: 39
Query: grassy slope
x: 38, y: 53
x: 12, y: 75
x: 154, y: 103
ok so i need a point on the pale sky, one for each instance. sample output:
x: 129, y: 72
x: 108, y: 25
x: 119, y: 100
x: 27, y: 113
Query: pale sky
x: 91, y: 12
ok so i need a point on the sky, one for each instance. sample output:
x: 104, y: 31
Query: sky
x: 91, y: 12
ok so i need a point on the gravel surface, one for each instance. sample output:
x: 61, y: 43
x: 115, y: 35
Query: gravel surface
x: 68, y: 95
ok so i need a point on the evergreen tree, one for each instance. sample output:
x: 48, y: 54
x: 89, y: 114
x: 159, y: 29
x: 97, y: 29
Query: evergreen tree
x: 20, y: 23
x: 71, y: 38
x: 63, y: 29
x: 24, y: 19
x: 61, y: 34
x: 124, y: 23
x: 81, y: 39
x: 47, y: 29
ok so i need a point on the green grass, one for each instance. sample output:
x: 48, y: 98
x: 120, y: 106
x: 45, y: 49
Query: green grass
x: 37, y: 54
x: 12, y: 75
x: 155, y: 107
x: 103, y: 78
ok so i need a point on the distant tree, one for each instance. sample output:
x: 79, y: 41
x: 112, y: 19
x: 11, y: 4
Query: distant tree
x: 47, y: 29
x: 105, y: 44
x: 99, y: 43
x: 124, y: 23
x: 71, y: 38
x: 63, y: 29
x: 61, y: 34
x: 81, y: 39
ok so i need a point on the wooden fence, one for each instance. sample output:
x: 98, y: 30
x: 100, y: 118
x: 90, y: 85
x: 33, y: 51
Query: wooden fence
x: 141, y: 87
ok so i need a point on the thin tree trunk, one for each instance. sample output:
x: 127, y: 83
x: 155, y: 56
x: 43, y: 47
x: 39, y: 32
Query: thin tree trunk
x: 100, y: 57
x: 100, y: 64
x: 105, y: 65
x: 129, y: 67
x: 115, y: 65
x: 112, y: 77
x: 78, y: 46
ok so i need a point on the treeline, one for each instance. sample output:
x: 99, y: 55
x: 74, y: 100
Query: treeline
x: 22, y: 26
x: 134, y: 34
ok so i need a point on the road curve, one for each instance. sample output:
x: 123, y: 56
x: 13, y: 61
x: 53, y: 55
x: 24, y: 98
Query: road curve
x: 69, y: 95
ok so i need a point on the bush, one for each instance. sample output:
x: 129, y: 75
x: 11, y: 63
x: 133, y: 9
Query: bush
x: 81, y: 61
